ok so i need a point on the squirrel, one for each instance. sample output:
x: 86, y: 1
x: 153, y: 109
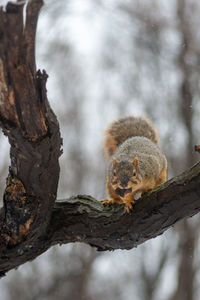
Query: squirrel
x: 135, y: 161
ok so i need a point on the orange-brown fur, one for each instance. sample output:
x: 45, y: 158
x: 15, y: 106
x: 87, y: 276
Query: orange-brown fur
x: 130, y: 170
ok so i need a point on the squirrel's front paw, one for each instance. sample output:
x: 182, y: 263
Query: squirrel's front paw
x: 128, y: 207
x: 106, y: 201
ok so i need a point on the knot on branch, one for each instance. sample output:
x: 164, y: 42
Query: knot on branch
x: 17, y: 211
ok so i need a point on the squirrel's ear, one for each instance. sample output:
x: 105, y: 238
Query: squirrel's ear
x: 135, y: 162
x: 115, y: 161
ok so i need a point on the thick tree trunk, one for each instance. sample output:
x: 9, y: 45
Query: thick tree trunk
x: 30, y: 220
x: 33, y: 134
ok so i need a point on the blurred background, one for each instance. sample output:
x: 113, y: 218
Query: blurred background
x: 107, y: 58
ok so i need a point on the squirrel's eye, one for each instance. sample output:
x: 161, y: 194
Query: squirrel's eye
x: 134, y: 173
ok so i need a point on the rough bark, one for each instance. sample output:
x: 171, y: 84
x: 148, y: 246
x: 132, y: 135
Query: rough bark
x: 32, y: 130
x: 30, y: 220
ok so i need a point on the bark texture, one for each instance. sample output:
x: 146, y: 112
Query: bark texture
x: 31, y: 220
x: 33, y: 134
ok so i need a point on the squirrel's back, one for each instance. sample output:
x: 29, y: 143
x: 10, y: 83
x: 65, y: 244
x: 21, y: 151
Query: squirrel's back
x: 151, y: 159
x: 126, y: 127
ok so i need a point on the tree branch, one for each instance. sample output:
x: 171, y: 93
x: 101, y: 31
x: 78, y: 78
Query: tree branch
x: 30, y: 220
x: 85, y: 219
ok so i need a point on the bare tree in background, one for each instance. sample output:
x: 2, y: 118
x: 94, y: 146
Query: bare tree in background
x: 184, y: 115
x: 188, y: 230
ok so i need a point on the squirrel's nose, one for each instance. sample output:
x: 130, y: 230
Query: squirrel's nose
x: 124, y: 181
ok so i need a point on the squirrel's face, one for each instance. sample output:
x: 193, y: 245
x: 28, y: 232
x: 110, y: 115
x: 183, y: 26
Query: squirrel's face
x: 125, y: 176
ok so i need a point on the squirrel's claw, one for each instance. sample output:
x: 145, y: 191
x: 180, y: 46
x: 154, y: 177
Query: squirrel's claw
x: 128, y: 207
x: 106, y: 201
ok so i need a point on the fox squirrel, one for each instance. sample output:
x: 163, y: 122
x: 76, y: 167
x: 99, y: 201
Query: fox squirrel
x: 135, y: 161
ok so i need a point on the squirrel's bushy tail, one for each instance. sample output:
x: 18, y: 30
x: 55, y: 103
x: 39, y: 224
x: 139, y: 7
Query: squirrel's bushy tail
x: 126, y: 127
